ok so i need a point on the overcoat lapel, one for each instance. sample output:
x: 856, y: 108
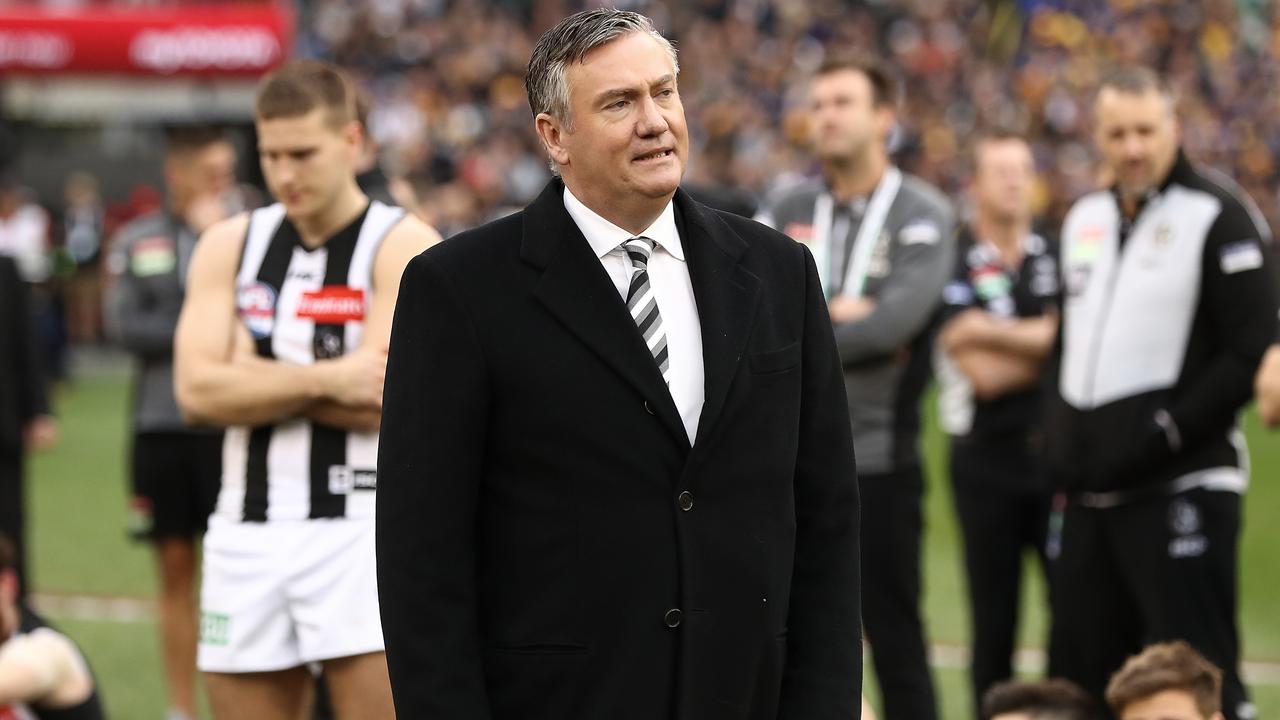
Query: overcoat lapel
x: 726, y: 294
x: 576, y: 289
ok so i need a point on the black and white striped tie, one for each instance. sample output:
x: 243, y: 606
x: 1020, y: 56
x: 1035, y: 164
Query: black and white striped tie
x: 642, y: 304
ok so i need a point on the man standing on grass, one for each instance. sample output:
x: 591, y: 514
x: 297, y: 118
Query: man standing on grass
x: 283, y: 338
x: 1169, y: 305
x: 175, y: 469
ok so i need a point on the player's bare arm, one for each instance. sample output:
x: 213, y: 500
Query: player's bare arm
x: 405, y: 241
x: 214, y: 384
x: 1266, y: 387
x: 43, y: 668
x: 1031, y: 338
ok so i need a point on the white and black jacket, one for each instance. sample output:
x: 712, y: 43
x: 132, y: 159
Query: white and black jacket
x: 1164, y: 322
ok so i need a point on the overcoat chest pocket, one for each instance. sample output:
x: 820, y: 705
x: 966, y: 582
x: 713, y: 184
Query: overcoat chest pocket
x: 772, y: 361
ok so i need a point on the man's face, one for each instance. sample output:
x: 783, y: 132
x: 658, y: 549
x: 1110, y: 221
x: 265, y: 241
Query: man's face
x: 626, y: 137
x: 1137, y: 135
x: 202, y: 171
x: 1003, y: 179
x: 845, y: 119
x: 306, y: 160
x: 1166, y: 705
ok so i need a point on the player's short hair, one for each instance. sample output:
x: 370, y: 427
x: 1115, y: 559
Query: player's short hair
x: 1055, y: 699
x: 571, y: 40
x: 884, y: 87
x: 181, y: 139
x: 990, y: 135
x: 301, y: 86
x: 8, y: 554
x: 1138, y: 80
x: 1167, y: 666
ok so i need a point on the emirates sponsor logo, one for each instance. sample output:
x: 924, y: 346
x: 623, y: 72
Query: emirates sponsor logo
x: 205, y: 48
x: 35, y: 49
x: 332, y: 304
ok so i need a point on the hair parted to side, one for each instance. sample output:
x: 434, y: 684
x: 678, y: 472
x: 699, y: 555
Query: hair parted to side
x: 1055, y: 699
x: 990, y: 136
x: 1138, y: 80
x: 884, y: 87
x: 300, y: 86
x: 181, y: 139
x: 571, y: 40
x: 1167, y: 666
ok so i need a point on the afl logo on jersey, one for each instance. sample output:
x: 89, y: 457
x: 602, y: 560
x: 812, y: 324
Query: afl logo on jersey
x: 256, y: 303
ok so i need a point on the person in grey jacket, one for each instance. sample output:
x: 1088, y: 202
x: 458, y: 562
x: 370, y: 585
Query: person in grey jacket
x: 175, y: 468
x: 883, y: 244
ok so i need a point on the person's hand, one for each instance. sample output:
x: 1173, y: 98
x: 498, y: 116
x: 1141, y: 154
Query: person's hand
x: 356, y: 379
x: 40, y: 433
x: 1266, y: 387
x: 969, y: 326
x: 846, y: 309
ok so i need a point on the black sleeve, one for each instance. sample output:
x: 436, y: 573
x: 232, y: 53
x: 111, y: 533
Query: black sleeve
x: 430, y: 459
x: 1238, y: 296
x: 958, y: 294
x: 823, y: 678
x: 33, y: 398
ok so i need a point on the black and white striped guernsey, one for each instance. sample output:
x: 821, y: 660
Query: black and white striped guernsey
x: 302, y: 306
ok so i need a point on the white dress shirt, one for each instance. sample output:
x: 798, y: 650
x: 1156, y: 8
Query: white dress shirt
x: 672, y: 290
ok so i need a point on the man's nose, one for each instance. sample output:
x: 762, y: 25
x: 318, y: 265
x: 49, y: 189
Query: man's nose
x: 1134, y: 147
x: 652, y: 121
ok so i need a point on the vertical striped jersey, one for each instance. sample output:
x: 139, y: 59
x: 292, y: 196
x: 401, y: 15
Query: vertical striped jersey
x: 302, y: 306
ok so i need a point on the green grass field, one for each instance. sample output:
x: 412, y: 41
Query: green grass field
x: 78, y: 515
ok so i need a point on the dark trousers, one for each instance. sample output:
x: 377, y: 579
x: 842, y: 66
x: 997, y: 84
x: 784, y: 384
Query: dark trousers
x: 892, y: 523
x: 1150, y: 571
x: 1003, y: 505
x: 12, y: 506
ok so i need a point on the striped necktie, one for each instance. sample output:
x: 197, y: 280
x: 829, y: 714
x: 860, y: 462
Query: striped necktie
x: 643, y: 306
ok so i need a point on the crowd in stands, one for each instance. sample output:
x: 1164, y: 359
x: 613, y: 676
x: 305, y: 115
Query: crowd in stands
x: 450, y: 111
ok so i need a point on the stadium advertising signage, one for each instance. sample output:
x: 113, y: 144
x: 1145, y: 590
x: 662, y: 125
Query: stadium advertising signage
x: 236, y: 39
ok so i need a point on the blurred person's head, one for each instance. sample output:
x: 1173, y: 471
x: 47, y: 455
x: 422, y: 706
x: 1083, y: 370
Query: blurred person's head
x: 852, y: 109
x: 1004, y: 177
x: 9, y: 589
x: 1136, y: 129
x: 199, y: 161
x: 81, y: 190
x: 309, y: 135
x: 1055, y: 699
x: 1168, y: 681
x: 602, y: 87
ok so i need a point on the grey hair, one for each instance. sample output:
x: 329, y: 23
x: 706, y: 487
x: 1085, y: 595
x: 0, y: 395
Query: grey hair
x: 569, y: 42
x: 1138, y: 80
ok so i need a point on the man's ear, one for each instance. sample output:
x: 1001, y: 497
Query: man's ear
x: 886, y: 118
x: 552, y: 131
x: 353, y: 135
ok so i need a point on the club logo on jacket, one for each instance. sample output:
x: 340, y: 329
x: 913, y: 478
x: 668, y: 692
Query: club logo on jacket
x: 1185, y: 523
x: 256, y: 303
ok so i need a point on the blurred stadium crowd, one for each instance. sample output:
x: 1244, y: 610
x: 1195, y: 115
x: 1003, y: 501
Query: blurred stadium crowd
x: 450, y: 117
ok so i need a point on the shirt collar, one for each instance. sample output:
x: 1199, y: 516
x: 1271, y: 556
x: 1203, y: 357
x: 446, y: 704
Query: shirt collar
x: 603, y: 236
